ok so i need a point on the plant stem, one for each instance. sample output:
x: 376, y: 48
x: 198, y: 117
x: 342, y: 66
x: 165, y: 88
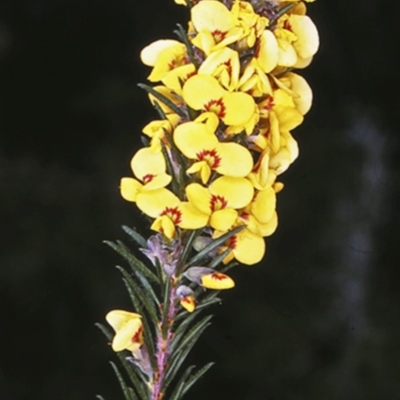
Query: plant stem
x: 163, y: 344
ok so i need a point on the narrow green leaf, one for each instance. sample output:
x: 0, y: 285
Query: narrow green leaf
x: 195, y: 377
x: 176, y: 109
x: 217, y: 260
x: 177, y: 393
x: 137, y: 265
x: 181, y: 33
x: 186, y: 250
x: 180, y: 357
x: 137, y: 237
x: 171, y: 171
x: 159, y: 110
x: 100, y: 397
x: 167, y: 294
x: 282, y: 11
x: 193, y: 334
x: 127, y: 393
x: 214, y: 244
x: 140, y: 294
x: 133, y: 372
x: 134, y: 262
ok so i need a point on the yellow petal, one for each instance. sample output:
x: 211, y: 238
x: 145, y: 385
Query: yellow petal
x: 268, y: 51
x: 237, y: 192
x: 154, y: 202
x: 264, y: 204
x: 147, y: 163
x: 223, y: 220
x: 217, y: 281
x: 130, y: 188
x: 191, y: 217
x: 150, y: 53
x: 118, y: 318
x: 211, y: 16
x: 200, y: 197
x: 200, y: 90
x: 249, y: 247
x: 129, y: 337
x: 192, y: 138
x: 188, y: 303
x: 307, y: 42
x: 236, y: 160
x: 164, y: 225
x: 239, y: 108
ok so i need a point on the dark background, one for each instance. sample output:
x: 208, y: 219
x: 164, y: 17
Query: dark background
x: 318, y: 319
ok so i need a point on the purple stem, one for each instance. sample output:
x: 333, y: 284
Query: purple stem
x: 163, y: 345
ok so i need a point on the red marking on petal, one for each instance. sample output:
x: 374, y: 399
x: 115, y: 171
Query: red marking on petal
x: 217, y: 107
x: 147, y: 178
x: 217, y: 203
x: 174, y: 213
x: 269, y: 103
x: 137, y: 337
x: 218, y: 276
x: 210, y: 156
x: 287, y: 26
x: 218, y: 35
x: 228, y: 65
x: 232, y: 242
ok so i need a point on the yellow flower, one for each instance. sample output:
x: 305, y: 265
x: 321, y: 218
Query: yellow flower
x: 128, y: 330
x: 169, y: 212
x: 164, y: 55
x: 215, y: 26
x: 197, y: 141
x: 298, y: 40
x: 247, y: 247
x: 203, y: 92
x: 224, y: 65
x: 156, y: 130
x: 148, y: 165
x: 221, y: 200
x: 209, y: 278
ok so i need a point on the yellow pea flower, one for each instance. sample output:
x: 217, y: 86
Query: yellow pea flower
x: 221, y: 200
x: 128, y: 330
x: 215, y: 26
x: 224, y: 65
x: 197, y: 141
x: 247, y: 247
x: 209, y: 278
x: 148, y: 165
x: 164, y: 56
x: 203, y: 92
x: 169, y: 212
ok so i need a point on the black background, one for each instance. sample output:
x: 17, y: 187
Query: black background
x: 318, y: 319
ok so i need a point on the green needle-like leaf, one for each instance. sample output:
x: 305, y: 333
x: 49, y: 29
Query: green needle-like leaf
x: 171, y: 171
x: 213, y: 245
x: 186, y: 250
x: 132, y: 372
x: 135, y: 263
x: 129, y: 395
x: 137, y: 237
x: 177, y: 393
x: 159, y: 110
x: 217, y: 260
x: 181, y: 33
x: 139, y: 293
x: 195, y: 377
x: 98, y: 397
x: 282, y: 11
x: 176, y: 109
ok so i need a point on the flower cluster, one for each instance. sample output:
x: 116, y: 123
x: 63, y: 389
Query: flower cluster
x: 208, y: 176
x: 229, y: 100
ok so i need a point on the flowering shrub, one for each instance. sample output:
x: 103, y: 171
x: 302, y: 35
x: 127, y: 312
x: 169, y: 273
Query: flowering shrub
x: 208, y: 178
